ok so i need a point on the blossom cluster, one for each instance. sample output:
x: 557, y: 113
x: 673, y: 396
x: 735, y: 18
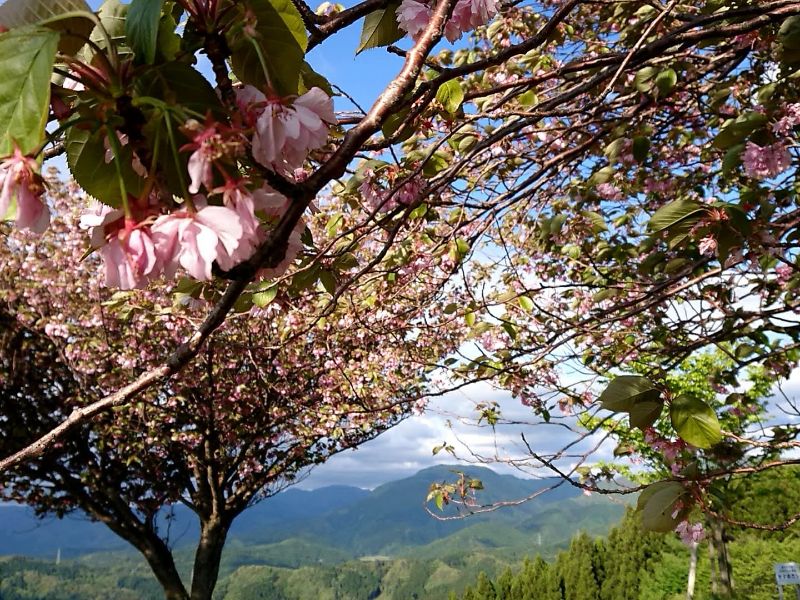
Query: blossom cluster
x: 764, y: 162
x: 690, y: 533
x: 21, y: 182
x: 380, y: 199
x: 222, y: 224
x: 413, y: 17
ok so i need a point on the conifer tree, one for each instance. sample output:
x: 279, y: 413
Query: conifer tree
x: 485, y: 589
x: 578, y: 570
x: 503, y: 586
x: 629, y: 552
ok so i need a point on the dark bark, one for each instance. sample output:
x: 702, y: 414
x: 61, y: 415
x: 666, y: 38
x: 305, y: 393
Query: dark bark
x: 213, y: 534
x: 161, y: 563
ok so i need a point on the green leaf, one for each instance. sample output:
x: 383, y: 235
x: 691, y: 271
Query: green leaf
x: 675, y: 212
x: 665, y: 81
x: 112, y: 16
x: 658, y: 502
x: 86, y: 159
x: 641, y: 148
x: 27, y: 56
x: 789, y: 33
x: 695, y: 421
x: 643, y: 80
x: 450, y: 96
x: 529, y: 98
x: 467, y: 143
x: 614, y: 148
x: 734, y: 131
x: 328, y: 281
x: 169, y: 42
x: 435, y: 163
x: 626, y: 390
x: 380, y: 28
x: 645, y: 412
x: 282, y: 40
x: 525, y: 303
x: 265, y: 296
x: 19, y: 13
x: 141, y: 28
x: 394, y: 122
x: 732, y: 159
x: 178, y: 83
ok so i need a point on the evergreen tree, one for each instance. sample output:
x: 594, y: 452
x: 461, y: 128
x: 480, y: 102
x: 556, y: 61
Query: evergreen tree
x: 503, y: 587
x: 485, y: 589
x: 630, y: 552
x: 578, y: 570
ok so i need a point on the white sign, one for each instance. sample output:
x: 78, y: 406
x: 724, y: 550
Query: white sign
x: 787, y: 573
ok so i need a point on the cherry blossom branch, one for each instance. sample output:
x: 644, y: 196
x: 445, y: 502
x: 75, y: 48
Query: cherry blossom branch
x: 269, y: 253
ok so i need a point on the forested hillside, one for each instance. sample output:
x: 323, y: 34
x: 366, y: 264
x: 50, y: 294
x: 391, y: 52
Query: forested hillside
x: 632, y: 564
x: 335, y: 543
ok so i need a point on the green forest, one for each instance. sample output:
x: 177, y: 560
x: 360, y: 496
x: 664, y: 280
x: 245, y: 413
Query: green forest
x: 626, y: 564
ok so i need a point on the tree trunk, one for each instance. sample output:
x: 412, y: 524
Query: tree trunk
x: 207, y: 557
x: 692, y: 571
x: 712, y: 563
x: 163, y: 567
x: 723, y: 563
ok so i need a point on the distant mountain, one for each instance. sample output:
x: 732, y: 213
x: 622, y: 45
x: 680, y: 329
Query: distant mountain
x: 392, y: 517
x: 331, y: 524
x: 21, y: 533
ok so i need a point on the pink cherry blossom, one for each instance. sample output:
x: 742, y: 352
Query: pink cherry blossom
x: 270, y: 202
x: 96, y: 216
x: 708, y: 245
x: 206, y: 145
x: 19, y: 180
x: 784, y: 273
x: 195, y: 240
x: 786, y: 124
x: 413, y: 16
x: 286, y: 133
x: 763, y: 162
x: 690, y: 533
x: 236, y: 197
x: 469, y: 14
x: 130, y: 259
x: 211, y: 141
x: 609, y: 191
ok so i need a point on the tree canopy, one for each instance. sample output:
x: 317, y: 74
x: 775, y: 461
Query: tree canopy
x: 564, y: 199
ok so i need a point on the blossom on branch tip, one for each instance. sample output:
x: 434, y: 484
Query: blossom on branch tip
x: 763, y: 162
x: 286, y: 132
x: 130, y: 259
x: 211, y: 141
x: 95, y: 218
x: 708, y: 245
x: 20, y: 181
x: 413, y: 17
x: 690, y: 533
x: 195, y: 240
